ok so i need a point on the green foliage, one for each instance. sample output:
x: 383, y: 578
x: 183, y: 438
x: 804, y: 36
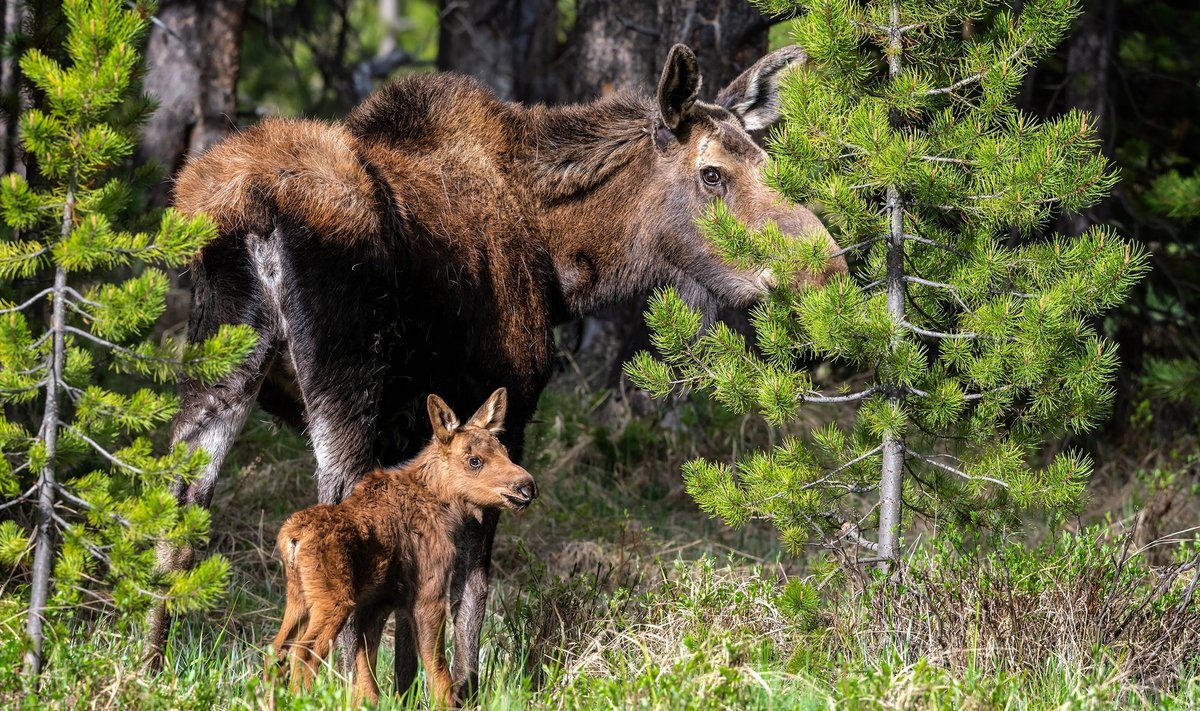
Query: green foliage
x: 994, y: 346
x: 112, y: 491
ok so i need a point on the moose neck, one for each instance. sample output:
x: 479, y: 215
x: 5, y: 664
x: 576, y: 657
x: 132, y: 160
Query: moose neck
x: 592, y: 169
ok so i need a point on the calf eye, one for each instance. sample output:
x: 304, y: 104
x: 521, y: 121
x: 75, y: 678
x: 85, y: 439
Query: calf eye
x: 711, y: 176
x: 475, y: 462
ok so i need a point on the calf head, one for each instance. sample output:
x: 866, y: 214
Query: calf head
x: 478, y: 470
x: 704, y: 153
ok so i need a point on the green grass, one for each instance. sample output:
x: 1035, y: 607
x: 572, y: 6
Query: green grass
x: 614, y: 591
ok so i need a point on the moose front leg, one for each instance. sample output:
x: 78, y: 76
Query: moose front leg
x: 210, y: 418
x: 468, y: 598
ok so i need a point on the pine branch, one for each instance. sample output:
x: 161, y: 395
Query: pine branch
x: 850, y: 531
x: 30, y: 302
x: 81, y: 298
x: 101, y: 450
x: 66, y: 494
x: 939, y: 245
x: 944, y: 159
x: 838, y: 398
x: 20, y: 499
x: 939, y: 285
x: 938, y: 334
x: 854, y: 247
x: 979, y: 77
x: 852, y: 488
x: 952, y: 470
x: 117, y: 348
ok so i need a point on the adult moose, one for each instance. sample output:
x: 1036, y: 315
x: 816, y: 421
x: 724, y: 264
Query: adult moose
x: 431, y: 241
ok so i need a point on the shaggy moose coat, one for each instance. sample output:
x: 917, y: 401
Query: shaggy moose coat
x: 432, y: 240
x: 390, y: 546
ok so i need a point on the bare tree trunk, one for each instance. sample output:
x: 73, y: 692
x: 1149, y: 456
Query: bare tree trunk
x: 891, y: 483
x: 10, y: 90
x: 1089, y: 59
x: 624, y: 44
x: 45, y: 539
x: 508, y: 44
x: 193, y: 58
x: 389, y: 17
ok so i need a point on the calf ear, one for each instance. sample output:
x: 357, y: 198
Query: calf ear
x: 755, y: 94
x: 490, y: 415
x: 679, y: 86
x: 445, y: 422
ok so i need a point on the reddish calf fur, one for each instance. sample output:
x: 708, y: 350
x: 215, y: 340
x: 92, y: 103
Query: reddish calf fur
x: 390, y: 546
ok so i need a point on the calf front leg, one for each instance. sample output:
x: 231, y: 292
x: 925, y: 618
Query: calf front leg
x: 468, y: 598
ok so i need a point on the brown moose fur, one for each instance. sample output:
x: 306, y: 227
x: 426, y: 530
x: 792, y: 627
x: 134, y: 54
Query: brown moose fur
x: 389, y: 546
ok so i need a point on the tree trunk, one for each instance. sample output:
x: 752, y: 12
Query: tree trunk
x: 891, y: 483
x: 623, y: 44
x: 45, y: 538
x: 193, y: 58
x: 510, y: 45
x: 1089, y: 58
x: 10, y: 90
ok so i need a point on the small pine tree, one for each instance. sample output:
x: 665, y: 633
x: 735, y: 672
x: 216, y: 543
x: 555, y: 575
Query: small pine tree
x: 100, y: 495
x: 979, y: 334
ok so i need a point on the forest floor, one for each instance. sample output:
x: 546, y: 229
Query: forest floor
x: 614, y: 591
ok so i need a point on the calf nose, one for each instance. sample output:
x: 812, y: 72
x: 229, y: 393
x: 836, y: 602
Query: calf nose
x: 527, y: 490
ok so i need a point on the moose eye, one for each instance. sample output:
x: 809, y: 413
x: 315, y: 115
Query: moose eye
x: 475, y: 462
x: 711, y: 176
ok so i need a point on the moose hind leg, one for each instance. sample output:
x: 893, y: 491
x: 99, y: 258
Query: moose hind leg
x: 211, y: 415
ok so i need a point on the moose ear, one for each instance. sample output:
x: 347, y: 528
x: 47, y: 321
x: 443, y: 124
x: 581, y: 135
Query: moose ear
x: 490, y: 415
x: 679, y: 86
x: 754, y: 95
x: 445, y: 422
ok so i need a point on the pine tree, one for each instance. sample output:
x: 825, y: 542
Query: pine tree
x: 977, y: 329
x: 99, y: 493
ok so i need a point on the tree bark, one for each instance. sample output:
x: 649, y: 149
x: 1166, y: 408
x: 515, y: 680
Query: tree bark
x: 510, y: 45
x: 623, y: 44
x: 10, y: 90
x: 193, y: 58
x: 891, y: 484
x: 45, y: 538
x: 1089, y: 59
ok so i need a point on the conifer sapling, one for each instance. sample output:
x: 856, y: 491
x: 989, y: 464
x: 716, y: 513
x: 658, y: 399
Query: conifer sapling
x: 977, y: 330
x: 99, y: 495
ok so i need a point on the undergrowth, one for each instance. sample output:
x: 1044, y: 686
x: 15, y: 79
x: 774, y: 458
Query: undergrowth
x: 614, y: 591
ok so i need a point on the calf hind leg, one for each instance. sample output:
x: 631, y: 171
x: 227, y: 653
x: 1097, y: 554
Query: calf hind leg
x: 313, y: 648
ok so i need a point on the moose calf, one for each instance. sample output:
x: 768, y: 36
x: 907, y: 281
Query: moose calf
x: 390, y: 545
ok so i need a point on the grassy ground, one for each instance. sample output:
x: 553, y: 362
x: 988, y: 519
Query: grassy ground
x: 614, y: 591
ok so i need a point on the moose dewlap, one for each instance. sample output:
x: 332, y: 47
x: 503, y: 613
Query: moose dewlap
x: 389, y: 546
